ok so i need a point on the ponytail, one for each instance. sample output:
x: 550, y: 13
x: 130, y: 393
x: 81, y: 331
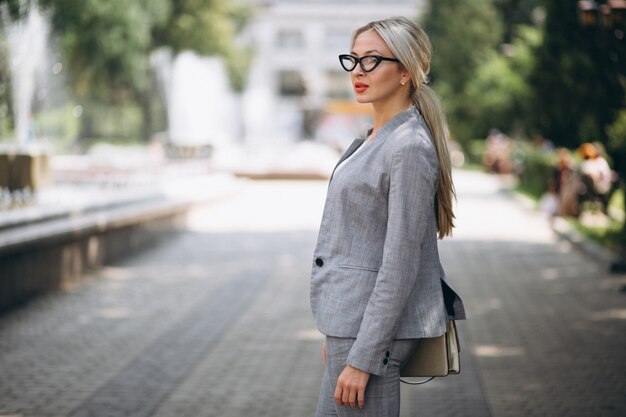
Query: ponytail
x: 410, y: 44
x: 426, y: 101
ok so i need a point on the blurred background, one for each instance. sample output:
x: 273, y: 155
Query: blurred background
x: 211, y: 128
x: 234, y: 82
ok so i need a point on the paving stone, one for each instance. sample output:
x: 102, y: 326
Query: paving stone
x: 547, y: 335
x: 216, y: 321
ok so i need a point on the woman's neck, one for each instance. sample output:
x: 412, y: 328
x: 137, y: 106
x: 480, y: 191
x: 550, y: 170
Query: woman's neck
x: 385, y: 112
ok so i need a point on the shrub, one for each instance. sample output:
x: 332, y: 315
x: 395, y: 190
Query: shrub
x: 536, y: 169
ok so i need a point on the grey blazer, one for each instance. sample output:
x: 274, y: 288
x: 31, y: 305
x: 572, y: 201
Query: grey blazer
x: 376, y: 272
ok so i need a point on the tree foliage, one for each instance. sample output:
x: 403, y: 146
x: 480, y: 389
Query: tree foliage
x: 515, y: 13
x: 463, y: 34
x: 578, y: 77
x: 205, y: 26
x: 106, y: 45
x: 208, y: 27
x: 616, y: 142
x: 500, y: 89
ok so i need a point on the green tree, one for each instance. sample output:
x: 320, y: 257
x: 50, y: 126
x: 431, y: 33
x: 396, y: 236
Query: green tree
x: 578, y: 78
x: 580, y: 81
x: 208, y: 27
x: 16, y: 8
x: 106, y: 47
x: 5, y: 91
x: 515, y: 13
x: 463, y: 34
x: 106, y: 43
x: 500, y: 89
x: 616, y: 133
x: 616, y: 147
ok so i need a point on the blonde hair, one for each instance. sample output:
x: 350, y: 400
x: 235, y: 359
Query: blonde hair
x: 410, y: 44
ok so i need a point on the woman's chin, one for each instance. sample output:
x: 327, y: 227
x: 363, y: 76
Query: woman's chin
x: 363, y: 99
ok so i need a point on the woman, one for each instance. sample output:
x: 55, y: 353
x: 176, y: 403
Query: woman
x: 377, y: 283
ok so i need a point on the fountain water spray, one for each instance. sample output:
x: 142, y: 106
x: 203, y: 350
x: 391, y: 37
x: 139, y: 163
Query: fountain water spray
x: 200, y: 105
x: 27, y: 46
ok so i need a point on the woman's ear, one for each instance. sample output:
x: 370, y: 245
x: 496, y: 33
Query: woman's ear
x: 404, y: 74
x: 405, y: 78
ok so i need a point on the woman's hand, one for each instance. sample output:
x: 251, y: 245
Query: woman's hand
x: 324, y: 352
x: 351, y: 387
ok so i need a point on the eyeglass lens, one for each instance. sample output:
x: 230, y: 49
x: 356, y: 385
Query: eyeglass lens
x: 368, y: 63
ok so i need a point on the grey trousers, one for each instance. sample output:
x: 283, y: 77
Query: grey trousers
x: 382, y: 394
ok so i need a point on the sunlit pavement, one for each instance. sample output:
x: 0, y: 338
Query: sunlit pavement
x: 216, y: 321
x: 547, y: 326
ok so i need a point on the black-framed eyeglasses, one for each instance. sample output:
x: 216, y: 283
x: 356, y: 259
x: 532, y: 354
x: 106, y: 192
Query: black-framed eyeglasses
x: 368, y: 62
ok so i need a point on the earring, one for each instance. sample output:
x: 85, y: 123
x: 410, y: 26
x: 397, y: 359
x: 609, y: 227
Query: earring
x: 402, y: 82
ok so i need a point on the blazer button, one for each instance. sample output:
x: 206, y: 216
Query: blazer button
x: 385, y: 361
x: 387, y: 354
x: 319, y: 262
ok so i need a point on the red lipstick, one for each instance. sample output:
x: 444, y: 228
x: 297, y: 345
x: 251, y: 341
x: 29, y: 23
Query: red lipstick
x: 360, y: 87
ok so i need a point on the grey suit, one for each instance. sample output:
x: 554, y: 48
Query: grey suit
x: 376, y: 272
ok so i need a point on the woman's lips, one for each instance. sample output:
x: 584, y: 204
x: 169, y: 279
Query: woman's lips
x: 360, y: 87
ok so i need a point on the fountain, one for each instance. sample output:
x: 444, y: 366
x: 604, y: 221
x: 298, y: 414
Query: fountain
x: 24, y: 167
x: 27, y: 47
x: 200, y: 105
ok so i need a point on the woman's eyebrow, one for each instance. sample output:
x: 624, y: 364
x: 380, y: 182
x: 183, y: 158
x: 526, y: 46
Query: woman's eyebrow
x: 368, y: 52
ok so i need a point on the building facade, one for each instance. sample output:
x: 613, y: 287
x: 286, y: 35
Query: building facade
x: 295, y: 76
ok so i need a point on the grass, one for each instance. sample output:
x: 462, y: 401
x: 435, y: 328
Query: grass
x: 527, y: 194
x: 617, y: 200
x: 611, y: 233
x: 608, y: 233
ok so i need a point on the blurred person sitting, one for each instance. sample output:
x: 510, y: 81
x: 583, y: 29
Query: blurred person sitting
x: 565, y: 181
x: 598, y: 181
x: 497, y: 155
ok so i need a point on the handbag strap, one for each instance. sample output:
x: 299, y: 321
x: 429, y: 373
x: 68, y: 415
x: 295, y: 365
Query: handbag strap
x: 406, y: 381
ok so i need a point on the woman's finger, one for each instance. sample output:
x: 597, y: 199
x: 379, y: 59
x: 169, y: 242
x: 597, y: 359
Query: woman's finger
x: 352, y: 397
x: 338, y: 394
x: 361, y: 396
x: 324, y: 353
x: 350, y: 389
x: 345, y: 396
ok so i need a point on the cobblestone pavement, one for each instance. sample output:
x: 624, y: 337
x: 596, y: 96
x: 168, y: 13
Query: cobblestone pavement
x: 547, y: 326
x: 216, y: 321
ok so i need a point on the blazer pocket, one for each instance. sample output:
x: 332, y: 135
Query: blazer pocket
x: 358, y: 268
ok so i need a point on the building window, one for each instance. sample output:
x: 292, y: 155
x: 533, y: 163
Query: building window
x: 289, y: 39
x: 338, y: 84
x: 291, y: 83
x: 338, y: 40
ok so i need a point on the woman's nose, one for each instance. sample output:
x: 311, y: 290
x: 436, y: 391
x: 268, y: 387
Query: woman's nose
x: 358, y: 70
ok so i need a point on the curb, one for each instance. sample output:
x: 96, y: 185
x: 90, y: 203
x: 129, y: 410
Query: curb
x: 598, y: 252
x: 564, y: 231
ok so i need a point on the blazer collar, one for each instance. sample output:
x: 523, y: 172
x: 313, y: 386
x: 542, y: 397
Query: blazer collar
x: 389, y: 127
x: 351, y: 149
x: 396, y: 121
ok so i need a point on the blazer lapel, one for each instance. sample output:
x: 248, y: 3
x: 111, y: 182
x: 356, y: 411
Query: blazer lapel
x: 351, y: 149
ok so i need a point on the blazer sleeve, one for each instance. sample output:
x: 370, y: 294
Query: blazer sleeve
x: 412, y: 188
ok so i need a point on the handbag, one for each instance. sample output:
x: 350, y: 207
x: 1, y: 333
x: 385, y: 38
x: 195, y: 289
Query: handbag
x: 433, y: 357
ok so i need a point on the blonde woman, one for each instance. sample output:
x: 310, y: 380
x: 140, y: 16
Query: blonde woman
x: 377, y: 284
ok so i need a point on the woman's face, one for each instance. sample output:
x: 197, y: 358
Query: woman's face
x: 383, y: 84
